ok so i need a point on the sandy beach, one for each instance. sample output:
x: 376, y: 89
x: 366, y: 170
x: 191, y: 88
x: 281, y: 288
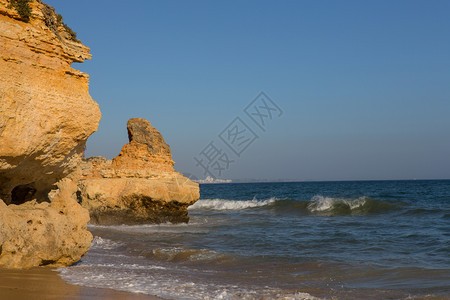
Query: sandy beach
x: 45, y: 284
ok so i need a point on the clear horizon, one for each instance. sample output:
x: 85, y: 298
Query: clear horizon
x: 244, y: 180
x: 362, y: 88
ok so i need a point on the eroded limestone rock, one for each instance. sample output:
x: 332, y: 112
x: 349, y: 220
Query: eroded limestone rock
x: 140, y: 185
x: 46, y: 116
x: 39, y: 234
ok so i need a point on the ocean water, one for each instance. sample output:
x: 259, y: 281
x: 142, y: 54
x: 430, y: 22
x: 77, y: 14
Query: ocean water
x: 305, y: 240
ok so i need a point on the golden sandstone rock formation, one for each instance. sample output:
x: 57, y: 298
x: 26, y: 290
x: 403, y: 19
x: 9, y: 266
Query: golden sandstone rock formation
x: 46, y: 116
x: 140, y: 185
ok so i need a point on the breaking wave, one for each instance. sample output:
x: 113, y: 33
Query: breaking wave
x: 222, y: 204
x: 317, y: 205
x: 339, y: 206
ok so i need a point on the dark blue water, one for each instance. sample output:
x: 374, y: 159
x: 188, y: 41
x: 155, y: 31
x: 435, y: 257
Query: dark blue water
x: 344, y: 240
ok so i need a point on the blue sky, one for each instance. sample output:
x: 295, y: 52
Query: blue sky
x: 364, y: 86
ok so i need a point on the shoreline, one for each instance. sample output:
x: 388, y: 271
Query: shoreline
x: 45, y: 284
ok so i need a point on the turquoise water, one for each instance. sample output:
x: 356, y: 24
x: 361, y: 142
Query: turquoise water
x: 341, y: 240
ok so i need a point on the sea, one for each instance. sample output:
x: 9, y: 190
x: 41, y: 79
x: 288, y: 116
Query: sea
x: 293, y: 240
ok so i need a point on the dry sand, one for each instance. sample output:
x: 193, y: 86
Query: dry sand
x: 45, y: 284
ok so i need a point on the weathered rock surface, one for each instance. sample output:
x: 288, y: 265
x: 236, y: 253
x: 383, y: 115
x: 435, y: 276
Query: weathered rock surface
x: 46, y: 116
x: 140, y: 185
x: 38, y: 234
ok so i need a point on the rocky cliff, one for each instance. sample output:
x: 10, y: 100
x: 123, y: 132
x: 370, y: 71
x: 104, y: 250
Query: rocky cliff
x: 140, y: 185
x: 46, y: 116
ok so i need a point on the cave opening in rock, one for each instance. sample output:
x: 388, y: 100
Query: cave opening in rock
x: 22, y: 193
x: 79, y: 197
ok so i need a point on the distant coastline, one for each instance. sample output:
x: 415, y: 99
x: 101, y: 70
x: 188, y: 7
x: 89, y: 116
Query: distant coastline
x: 209, y: 180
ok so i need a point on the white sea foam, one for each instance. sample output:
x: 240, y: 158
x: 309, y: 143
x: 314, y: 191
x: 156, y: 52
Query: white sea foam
x: 166, y: 285
x: 320, y: 203
x: 186, y: 255
x: 223, y: 204
x: 105, y: 244
x: 297, y: 296
x: 103, y: 268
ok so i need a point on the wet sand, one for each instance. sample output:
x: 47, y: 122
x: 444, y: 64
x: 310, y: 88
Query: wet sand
x: 45, y: 284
